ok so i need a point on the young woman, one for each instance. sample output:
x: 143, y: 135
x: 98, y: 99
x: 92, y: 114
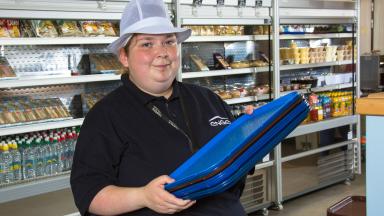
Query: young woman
x: 138, y: 134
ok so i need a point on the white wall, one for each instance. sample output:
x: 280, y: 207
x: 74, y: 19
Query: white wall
x: 378, y: 42
x: 365, y: 26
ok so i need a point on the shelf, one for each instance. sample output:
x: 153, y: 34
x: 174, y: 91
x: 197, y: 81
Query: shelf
x: 227, y: 38
x: 189, y: 75
x: 26, y: 82
x: 34, y: 187
x: 323, y: 125
x: 332, y: 87
x: 315, y: 36
x: 40, y: 126
x: 324, y: 64
x: 247, y: 99
x: 57, y: 41
x: 320, y: 89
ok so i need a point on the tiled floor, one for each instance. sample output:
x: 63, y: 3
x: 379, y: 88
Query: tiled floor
x: 316, y: 203
x: 313, y: 204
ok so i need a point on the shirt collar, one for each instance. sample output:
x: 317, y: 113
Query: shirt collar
x: 144, y: 97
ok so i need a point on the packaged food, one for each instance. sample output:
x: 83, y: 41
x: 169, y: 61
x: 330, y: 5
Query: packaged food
x: 5, y: 69
x: 13, y: 28
x: 239, y: 64
x: 68, y: 28
x: 220, y: 62
x: 90, y: 28
x: 26, y: 28
x: 199, y: 63
x: 106, y: 28
x: 44, y: 28
x: 3, y: 28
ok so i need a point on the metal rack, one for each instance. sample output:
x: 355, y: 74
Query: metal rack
x: 278, y: 12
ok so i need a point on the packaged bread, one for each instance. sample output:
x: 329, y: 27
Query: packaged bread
x: 5, y: 69
x: 26, y: 28
x: 220, y: 62
x: 106, y: 28
x: 13, y: 27
x: 44, y: 28
x: 3, y: 28
x: 90, y: 28
x: 239, y: 64
x: 68, y: 28
x: 199, y: 63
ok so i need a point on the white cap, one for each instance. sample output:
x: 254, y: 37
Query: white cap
x: 146, y: 17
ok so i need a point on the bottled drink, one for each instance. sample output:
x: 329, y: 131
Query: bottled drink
x: 40, y: 158
x: 29, y: 161
x: 48, y: 156
x: 16, y: 157
x: 7, y: 165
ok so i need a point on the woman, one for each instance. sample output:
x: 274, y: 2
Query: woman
x: 144, y: 130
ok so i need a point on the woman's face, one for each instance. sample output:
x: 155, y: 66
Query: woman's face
x: 153, y: 61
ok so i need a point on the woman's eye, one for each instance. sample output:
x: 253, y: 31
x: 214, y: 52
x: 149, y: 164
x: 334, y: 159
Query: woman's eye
x: 146, y: 44
x: 171, y: 42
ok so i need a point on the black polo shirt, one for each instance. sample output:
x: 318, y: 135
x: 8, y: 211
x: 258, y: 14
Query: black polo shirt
x: 122, y: 142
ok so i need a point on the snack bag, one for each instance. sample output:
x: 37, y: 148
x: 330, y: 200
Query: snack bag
x: 90, y: 28
x: 26, y: 28
x: 3, y: 28
x: 44, y: 28
x: 106, y: 28
x: 68, y: 28
x: 13, y: 28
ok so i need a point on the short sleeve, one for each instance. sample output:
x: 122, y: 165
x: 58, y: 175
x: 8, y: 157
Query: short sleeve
x: 96, y: 159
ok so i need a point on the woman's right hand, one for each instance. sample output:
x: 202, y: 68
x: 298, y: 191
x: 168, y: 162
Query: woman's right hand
x: 159, y: 200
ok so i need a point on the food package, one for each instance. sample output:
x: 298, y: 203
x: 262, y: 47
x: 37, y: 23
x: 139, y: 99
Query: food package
x: 44, y: 28
x: 104, y: 63
x: 26, y: 28
x: 91, y: 28
x: 220, y: 62
x: 106, y: 28
x: 3, y: 28
x: 199, y: 63
x: 13, y: 27
x: 5, y: 69
x: 68, y: 28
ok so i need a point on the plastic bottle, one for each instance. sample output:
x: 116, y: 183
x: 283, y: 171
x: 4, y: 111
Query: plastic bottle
x: 48, y: 156
x: 40, y: 158
x: 55, y: 148
x: 8, y: 176
x: 29, y: 161
x: 16, y: 163
x: 1, y: 163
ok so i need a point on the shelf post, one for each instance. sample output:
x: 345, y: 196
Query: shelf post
x: 277, y: 173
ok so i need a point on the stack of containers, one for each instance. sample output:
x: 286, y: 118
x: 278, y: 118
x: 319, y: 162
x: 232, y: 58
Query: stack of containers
x: 234, y: 152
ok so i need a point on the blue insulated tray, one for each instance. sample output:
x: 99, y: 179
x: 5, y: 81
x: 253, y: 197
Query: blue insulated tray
x: 227, y: 143
x: 256, y: 150
x: 238, y: 168
x: 219, y: 150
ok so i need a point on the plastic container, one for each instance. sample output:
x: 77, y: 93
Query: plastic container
x: 349, y: 206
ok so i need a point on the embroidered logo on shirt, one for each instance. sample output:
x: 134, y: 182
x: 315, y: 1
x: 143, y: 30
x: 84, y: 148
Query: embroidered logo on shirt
x: 218, y: 121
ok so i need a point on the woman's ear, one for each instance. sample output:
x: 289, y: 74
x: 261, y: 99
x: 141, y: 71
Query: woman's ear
x: 123, y: 57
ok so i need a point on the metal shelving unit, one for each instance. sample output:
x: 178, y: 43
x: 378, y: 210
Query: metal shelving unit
x: 56, y: 41
x: 324, y: 64
x: 28, y: 82
x: 33, y: 188
x: 323, y: 125
x: 26, y: 128
x: 189, y: 75
x: 314, y: 36
x: 227, y: 38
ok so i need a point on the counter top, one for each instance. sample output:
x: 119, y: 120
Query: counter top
x: 371, y: 105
